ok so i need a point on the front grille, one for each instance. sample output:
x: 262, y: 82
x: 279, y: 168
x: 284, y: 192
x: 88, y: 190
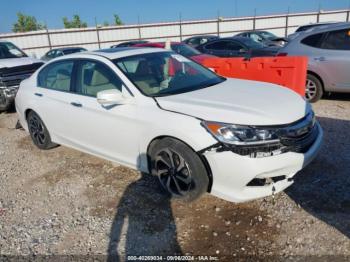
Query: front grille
x: 13, y: 76
x: 303, y: 143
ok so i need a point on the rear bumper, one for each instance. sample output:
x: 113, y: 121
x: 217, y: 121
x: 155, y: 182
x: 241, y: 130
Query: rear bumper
x: 232, y: 172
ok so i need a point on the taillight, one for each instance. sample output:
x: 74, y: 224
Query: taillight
x: 282, y: 54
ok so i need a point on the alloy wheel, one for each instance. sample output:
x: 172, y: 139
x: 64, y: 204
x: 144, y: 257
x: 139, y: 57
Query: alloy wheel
x: 37, y: 130
x: 173, y: 172
x: 310, y: 90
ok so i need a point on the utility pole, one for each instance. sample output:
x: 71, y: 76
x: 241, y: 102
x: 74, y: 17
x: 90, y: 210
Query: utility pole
x: 180, y: 17
x: 287, y: 18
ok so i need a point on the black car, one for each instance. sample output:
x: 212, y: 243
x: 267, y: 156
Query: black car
x: 199, y: 40
x: 237, y: 47
x: 131, y: 43
x: 264, y: 37
x: 307, y: 27
x: 53, y: 53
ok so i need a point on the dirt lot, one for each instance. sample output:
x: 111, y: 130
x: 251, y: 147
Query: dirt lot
x: 63, y: 202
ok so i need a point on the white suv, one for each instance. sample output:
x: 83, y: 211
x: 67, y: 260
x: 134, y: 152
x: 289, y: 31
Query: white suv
x: 159, y: 112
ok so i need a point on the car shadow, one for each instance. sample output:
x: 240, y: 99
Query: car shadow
x: 337, y: 96
x: 323, y: 187
x: 144, y: 222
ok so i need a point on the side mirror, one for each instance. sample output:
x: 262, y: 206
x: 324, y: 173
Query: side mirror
x: 111, y: 97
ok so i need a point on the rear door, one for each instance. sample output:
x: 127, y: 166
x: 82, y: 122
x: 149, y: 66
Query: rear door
x: 333, y: 58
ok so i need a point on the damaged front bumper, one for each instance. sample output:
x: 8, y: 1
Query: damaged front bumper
x: 7, y: 95
x: 240, y: 178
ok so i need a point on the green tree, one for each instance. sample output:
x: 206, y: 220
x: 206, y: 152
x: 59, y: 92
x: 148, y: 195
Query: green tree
x: 75, y: 23
x: 26, y: 23
x: 117, y: 20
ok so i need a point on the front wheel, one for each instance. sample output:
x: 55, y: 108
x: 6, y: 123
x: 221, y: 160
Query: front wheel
x: 313, y: 89
x: 179, y: 169
x: 38, y: 132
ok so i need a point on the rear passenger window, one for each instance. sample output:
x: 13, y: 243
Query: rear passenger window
x: 56, y: 76
x: 337, y: 40
x: 93, y: 77
x: 312, y: 40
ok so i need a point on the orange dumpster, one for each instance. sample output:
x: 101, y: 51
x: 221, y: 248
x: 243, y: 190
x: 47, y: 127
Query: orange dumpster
x: 285, y: 71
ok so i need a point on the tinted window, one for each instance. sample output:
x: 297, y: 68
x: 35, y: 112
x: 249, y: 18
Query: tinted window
x: 234, y: 46
x: 9, y: 50
x: 312, y: 40
x: 93, y: 77
x: 56, y: 76
x: 337, y: 40
x: 218, y: 45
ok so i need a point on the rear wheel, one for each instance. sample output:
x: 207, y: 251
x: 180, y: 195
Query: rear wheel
x: 179, y: 169
x: 313, y: 89
x: 38, y: 132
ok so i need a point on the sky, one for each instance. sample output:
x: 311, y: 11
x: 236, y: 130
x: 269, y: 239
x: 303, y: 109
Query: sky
x: 50, y: 12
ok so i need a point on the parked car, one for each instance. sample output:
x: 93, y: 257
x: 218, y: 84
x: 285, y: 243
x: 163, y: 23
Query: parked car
x: 15, y: 66
x: 264, y: 37
x: 158, y: 112
x: 182, y: 49
x: 328, y: 50
x: 53, y: 53
x: 237, y: 47
x: 312, y: 25
x: 199, y: 40
x: 130, y: 43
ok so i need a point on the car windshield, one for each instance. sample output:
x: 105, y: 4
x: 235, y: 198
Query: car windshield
x: 9, y: 50
x: 251, y: 43
x: 185, y: 50
x: 267, y: 35
x: 166, y: 73
x: 72, y: 51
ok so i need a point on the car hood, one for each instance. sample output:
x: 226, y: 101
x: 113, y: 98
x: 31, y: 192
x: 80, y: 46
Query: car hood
x: 240, y: 102
x: 13, y: 62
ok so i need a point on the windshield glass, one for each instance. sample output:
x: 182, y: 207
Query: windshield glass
x: 267, y: 35
x: 166, y: 73
x: 185, y: 50
x: 9, y: 50
x: 251, y: 43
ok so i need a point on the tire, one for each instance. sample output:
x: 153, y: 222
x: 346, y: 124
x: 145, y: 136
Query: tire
x: 179, y: 169
x: 313, y: 88
x: 38, y: 132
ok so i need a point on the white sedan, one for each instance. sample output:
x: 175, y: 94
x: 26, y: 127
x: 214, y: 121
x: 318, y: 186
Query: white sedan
x: 161, y: 113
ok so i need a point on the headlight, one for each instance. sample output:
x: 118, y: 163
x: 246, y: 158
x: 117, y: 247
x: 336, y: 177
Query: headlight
x: 241, y: 135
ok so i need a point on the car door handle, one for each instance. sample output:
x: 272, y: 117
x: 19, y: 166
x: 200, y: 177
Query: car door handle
x: 38, y: 94
x: 322, y: 58
x: 76, y: 104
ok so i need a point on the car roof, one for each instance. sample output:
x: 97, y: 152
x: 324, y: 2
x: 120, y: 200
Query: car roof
x: 322, y: 29
x: 115, y: 53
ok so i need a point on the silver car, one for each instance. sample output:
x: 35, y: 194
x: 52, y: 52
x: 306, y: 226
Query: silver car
x: 328, y: 50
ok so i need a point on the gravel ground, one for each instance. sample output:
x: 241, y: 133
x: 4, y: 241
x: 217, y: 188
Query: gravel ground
x: 63, y: 202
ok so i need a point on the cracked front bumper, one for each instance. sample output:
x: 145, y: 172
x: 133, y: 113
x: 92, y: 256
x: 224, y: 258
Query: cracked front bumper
x: 232, y: 172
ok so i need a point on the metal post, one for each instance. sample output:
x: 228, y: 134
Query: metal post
x: 180, y: 16
x: 319, y: 13
x: 348, y: 16
x: 218, y: 24
x: 48, y: 37
x: 254, y: 19
x: 139, y: 26
x: 287, y: 18
x: 98, y: 35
